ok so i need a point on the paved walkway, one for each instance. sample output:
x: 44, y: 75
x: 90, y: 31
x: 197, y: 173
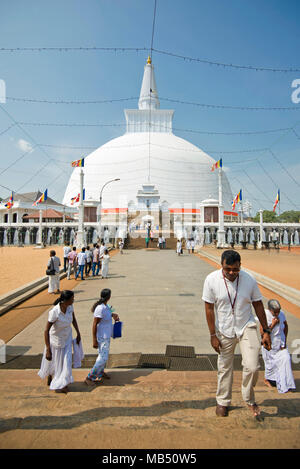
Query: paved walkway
x: 158, y: 297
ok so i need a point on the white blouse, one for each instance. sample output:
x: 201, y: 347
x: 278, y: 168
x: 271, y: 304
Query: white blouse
x: 61, y: 329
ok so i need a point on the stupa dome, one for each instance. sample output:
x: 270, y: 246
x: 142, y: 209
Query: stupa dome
x: 149, y: 152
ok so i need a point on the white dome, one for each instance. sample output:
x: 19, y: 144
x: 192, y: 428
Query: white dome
x: 179, y: 170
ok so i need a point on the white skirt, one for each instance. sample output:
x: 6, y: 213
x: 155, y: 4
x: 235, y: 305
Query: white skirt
x: 104, y: 270
x: 278, y: 368
x: 53, y: 283
x: 60, y: 367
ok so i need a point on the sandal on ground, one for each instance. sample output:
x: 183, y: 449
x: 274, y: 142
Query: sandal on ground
x: 105, y: 375
x: 63, y: 390
x: 255, y: 410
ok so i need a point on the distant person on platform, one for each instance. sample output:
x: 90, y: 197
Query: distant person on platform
x: 89, y: 260
x: 72, y: 262
x: 53, y: 264
x: 105, y: 264
x: 163, y: 242
x: 193, y: 245
x: 67, y: 250
x: 81, y: 261
x: 147, y: 239
x: 278, y: 369
x: 121, y: 246
x: 189, y: 246
x: 160, y: 242
x: 179, y: 247
x: 229, y: 294
x: 96, y: 260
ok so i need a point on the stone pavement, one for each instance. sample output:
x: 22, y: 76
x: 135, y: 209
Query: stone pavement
x: 157, y: 296
x: 142, y: 409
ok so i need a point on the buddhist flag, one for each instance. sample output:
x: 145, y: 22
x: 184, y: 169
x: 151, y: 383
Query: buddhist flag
x: 78, y: 163
x: 277, y: 200
x: 43, y: 198
x: 10, y: 201
x: 217, y: 165
x: 76, y: 199
x: 237, y: 199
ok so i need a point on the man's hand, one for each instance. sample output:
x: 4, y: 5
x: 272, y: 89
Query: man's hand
x: 266, y: 341
x: 215, y: 343
x: 95, y: 344
x: 116, y: 317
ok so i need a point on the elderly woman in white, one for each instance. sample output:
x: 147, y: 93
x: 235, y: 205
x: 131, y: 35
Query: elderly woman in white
x: 277, y: 360
x: 57, y: 358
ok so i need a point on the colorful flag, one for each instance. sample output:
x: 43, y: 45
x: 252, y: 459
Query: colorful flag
x: 76, y: 199
x: 78, y: 163
x: 237, y: 199
x: 217, y: 165
x: 10, y: 201
x: 42, y: 198
x: 277, y: 200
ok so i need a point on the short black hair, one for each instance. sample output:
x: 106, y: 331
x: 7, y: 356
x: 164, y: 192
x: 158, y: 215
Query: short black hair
x: 230, y: 257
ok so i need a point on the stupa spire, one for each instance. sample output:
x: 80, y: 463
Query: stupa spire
x: 148, y: 95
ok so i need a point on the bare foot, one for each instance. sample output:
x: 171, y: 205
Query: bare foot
x: 89, y: 382
x: 63, y: 390
x: 105, y: 375
x: 267, y: 383
x: 254, y: 409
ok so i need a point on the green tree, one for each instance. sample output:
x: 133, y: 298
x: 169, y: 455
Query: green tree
x: 268, y: 217
x: 291, y: 216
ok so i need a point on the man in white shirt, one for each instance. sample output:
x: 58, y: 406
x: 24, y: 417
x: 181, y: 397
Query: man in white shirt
x: 67, y: 250
x: 229, y: 295
x: 81, y: 261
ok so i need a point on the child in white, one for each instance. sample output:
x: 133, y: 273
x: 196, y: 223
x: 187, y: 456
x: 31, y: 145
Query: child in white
x: 102, y: 332
x: 57, y: 357
x: 277, y: 360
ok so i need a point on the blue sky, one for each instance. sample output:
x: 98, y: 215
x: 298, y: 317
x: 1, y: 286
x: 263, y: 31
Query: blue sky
x: 261, y: 33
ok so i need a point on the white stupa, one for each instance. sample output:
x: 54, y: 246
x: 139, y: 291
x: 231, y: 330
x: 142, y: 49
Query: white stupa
x: 149, y: 160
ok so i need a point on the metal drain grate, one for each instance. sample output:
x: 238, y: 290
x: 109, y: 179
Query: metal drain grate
x: 190, y: 364
x: 180, y: 351
x: 154, y: 361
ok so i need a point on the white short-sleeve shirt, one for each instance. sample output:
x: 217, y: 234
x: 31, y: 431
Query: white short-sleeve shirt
x: 61, y: 329
x: 104, y: 328
x: 215, y: 292
x: 277, y: 333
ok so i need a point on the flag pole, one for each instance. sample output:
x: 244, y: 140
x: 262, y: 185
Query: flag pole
x: 221, y: 232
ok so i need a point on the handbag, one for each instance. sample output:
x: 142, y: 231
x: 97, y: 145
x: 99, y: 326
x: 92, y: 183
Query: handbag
x: 117, y: 330
x: 51, y: 271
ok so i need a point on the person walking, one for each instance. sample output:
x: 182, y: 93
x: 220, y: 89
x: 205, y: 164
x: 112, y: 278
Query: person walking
x: 53, y: 264
x: 189, y: 246
x: 147, y: 239
x: 101, y: 333
x: 57, y: 357
x: 163, y: 242
x: 89, y: 260
x: 179, y: 247
x: 67, y: 250
x: 193, y: 245
x: 81, y: 261
x: 277, y: 361
x: 96, y: 260
x: 72, y: 257
x: 121, y: 246
x: 229, y: 294
x: 105, y: 264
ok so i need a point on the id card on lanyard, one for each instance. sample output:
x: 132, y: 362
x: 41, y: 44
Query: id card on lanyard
x: 237, y: 286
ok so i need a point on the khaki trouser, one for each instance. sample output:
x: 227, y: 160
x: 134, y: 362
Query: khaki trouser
x: 250, y: 348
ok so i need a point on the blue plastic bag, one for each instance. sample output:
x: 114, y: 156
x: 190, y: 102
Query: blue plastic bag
x: 117, y: 330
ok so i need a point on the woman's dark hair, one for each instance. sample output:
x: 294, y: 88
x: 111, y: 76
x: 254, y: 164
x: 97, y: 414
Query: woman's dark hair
x: 52, y: 253
x: 104, y: 296
x: 230, y: 257
x: 65, y: 295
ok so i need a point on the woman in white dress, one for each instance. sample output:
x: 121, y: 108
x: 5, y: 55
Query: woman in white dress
x: 105, y: 262
x: 102, y: 332
x: 277, y: 360
x: 57, y: 357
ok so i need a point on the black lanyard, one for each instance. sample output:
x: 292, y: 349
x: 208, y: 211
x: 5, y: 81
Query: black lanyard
x: 237, y: 286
